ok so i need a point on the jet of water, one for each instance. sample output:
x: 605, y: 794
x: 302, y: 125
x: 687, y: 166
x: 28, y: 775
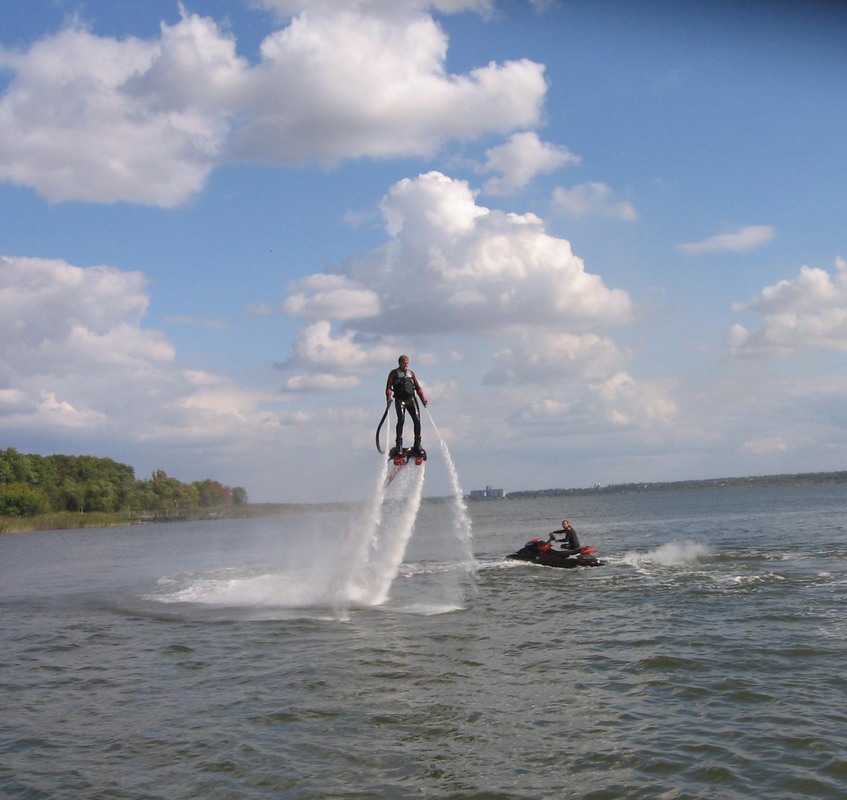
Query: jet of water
x: 360, y: 569
x: 376, y: 543
x: 461, y: 518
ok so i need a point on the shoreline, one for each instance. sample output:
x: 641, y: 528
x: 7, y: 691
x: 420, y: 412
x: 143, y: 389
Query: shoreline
x: 747, y: 482
x: 81, y: 520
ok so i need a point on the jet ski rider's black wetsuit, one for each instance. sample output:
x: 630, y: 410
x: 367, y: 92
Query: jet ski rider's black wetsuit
x: 403, y: 384
x: 570, y: 540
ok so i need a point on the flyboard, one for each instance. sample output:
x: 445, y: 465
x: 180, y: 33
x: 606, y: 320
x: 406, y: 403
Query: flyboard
x: 398, y: 457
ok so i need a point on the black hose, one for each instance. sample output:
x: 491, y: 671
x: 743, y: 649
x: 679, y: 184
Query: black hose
x: 379, y: 428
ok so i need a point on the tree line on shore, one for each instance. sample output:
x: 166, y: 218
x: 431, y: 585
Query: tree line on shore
x: 34, y: 484
x: 792, y: 479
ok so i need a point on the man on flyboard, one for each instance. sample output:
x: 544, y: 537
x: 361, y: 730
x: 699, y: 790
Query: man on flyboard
x: 403, y: 385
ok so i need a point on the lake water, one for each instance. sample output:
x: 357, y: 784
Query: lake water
x: 229, y: 660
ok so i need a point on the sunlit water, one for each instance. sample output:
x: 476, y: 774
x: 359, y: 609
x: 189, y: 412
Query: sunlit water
x: 229, y: 660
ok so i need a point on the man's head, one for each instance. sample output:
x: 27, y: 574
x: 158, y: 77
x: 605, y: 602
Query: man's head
x: 403, y: 361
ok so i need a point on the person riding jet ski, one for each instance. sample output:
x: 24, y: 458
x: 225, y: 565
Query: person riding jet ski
x: 569, y: 539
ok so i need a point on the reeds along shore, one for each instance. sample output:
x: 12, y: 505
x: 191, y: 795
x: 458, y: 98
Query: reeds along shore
x: 70, y: 520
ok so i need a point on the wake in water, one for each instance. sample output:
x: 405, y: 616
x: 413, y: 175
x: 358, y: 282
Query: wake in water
x: 670, y: 554
x: 244, y: 588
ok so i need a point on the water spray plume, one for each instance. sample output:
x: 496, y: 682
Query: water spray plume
x: 376, y: 543
x: 461, y: 518
x: 358, y: 571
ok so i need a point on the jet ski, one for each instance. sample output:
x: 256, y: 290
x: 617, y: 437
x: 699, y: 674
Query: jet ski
x: 537, y: 551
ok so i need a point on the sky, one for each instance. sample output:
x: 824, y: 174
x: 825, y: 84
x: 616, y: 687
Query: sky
x: 611, y: 237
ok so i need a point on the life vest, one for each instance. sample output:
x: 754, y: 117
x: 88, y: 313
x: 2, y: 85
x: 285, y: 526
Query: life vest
x: 404, y: 384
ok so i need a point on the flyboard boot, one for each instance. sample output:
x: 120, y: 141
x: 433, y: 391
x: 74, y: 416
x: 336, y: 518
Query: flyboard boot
x: 397, y: 453
x: 419, y: 452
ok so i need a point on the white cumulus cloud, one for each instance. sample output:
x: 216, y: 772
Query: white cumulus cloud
x: 383, y: 8
x: 806, y: 312
x: 74, y: 355
x: 334, y: 296
x: 452, y: 265
x: 101, y: 119
x: 346, y: 85
x: 592, y: 198
x: 319, y: 349
x: 539, y: 358
x: 52, y: 311
x: 746, y: 238
x: 520, y: 159
x: 632, y: 403
x: 452, y: 268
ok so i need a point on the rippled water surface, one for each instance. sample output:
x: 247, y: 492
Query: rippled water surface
x: 706, y: 659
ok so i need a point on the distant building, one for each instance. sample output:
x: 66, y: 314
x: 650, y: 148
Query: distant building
x: 487, y: 494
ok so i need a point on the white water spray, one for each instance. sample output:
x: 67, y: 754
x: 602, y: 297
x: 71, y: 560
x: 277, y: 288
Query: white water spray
x: 376, y: 543
x: 357, y: 571
x: 461, y: 518
x: 670, y: 554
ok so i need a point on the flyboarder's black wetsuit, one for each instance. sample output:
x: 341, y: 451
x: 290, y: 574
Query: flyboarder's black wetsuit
x: 403, y: 384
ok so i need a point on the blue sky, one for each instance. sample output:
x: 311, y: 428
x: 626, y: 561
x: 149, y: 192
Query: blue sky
x: 610, y: 236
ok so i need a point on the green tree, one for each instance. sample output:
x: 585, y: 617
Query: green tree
x: 100, y: 495
x: 213, y: 494
x: 70, y: 496
x: 166, y: 489
x: 20, y: 500
x: 18, y: 467
x: 90, y: 483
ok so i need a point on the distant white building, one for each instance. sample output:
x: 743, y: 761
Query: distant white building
x: 487, y: 494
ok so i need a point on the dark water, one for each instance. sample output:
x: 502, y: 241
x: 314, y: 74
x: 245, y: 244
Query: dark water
x: 705, y: 660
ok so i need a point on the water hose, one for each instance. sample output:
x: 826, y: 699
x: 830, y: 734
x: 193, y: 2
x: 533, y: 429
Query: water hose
x: 379, y: 428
